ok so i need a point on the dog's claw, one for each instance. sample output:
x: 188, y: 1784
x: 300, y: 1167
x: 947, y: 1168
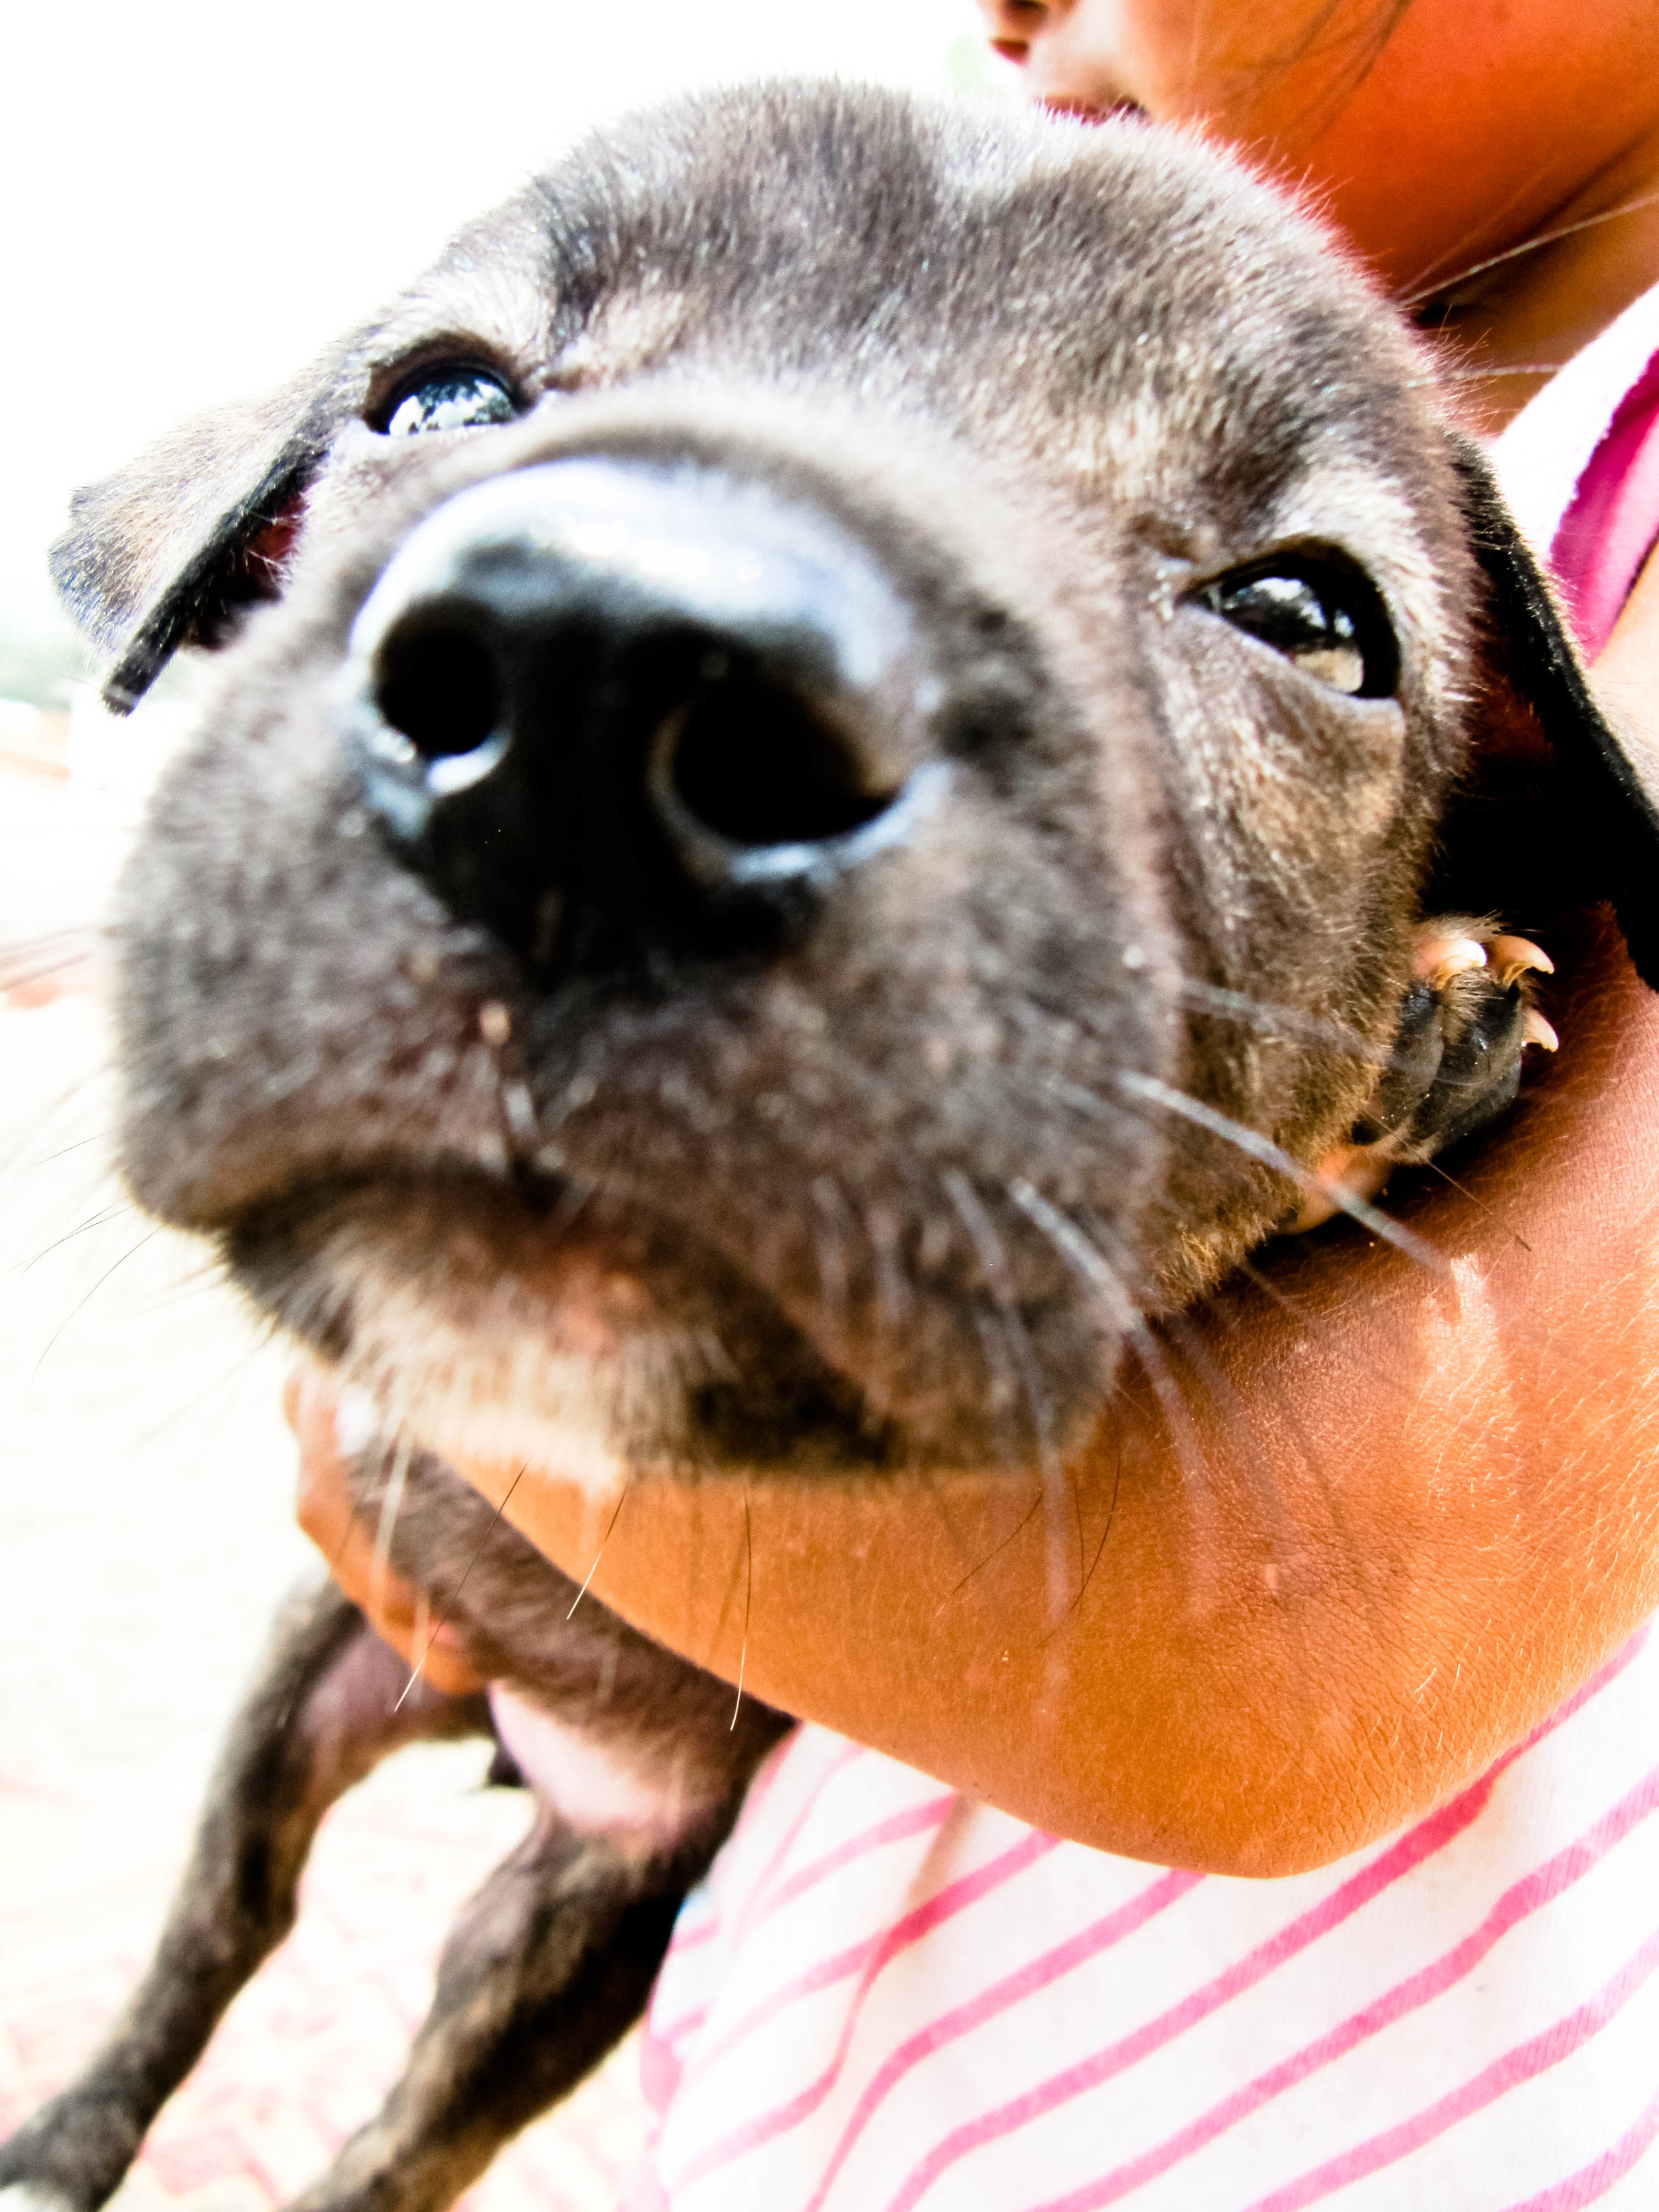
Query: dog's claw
x: 1512, y: 956
x: 1437, y: 959
x: 1465, y: 1021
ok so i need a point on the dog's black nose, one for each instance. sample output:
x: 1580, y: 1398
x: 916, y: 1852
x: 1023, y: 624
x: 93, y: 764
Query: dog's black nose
x: 600, y: 698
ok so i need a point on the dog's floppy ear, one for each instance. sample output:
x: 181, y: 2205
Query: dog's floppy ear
x: 1531, y: 651
x: 160, y: 555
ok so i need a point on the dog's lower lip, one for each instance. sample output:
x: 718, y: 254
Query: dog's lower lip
x: 583, y: 1254
x: 618, y: 1339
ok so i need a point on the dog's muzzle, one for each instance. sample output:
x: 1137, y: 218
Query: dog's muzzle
x: 601, y: 702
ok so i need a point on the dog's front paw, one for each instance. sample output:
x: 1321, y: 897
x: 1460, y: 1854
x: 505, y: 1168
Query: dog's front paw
x: 1466, y: 1020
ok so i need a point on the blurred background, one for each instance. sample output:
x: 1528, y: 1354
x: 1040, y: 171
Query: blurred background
x: 198, y: 199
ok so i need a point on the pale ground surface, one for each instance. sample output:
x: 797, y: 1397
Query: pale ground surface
x: 146, y: 1484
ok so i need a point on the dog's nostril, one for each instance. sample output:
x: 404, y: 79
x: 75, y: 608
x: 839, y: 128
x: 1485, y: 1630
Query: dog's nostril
x: 438, y: 687
x: 665, y: 706
x: 749, y: 761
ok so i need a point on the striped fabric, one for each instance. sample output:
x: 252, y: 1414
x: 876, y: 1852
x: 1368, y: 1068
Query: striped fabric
x: 887, y: 1997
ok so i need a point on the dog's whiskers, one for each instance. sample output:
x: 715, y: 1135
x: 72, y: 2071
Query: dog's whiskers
x: 1534, y: 245
x: 82, y: 1083
x: 391, y: 1500
x: 1002, y: 1375
x: 996, y: 1550
x: 265, y: 1335
x: 1480, y: 1205
x: 748, y: 1595
x: 438, y: 1626
x: 1271, y: 1021
x: 831, y: 1221
x: 1081, y: 1251
x: 1255, y: 1147
x: 615, y: 1511
x: 1077, y: 1250
x: 98, y: 1136
x: 95, y: 1221
x: 994, y: 1263
x: 1086, y: 1259
x: 82, y: 1302
x: 16, y: 979
x: 992, y: 1258
x: 893, y: 1288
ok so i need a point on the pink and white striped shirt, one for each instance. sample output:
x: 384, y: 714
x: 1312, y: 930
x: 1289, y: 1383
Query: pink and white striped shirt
x: 887, y: 1998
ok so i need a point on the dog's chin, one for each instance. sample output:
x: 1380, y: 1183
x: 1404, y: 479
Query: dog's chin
x: 589, y: 1339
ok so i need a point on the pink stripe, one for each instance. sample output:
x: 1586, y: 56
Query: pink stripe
x: 1553, y: 1879
x: 1609, y: 529
x: 1594, y: 2180
x: 842, y: 1760
x: 704, y: 1931
x: 914, y: 1820
x: 766, y: 1775
x: 677, y: 2030
x: 878, y: 1952
x: 1157, y: 1897
x: 887, y: 1943
x: 1527, y: 2060
x: 646, y: 2192
x: 1409, y: 1851
x: 709, y: 1924
x: 1417, y: 1844
x: 661, y: 2068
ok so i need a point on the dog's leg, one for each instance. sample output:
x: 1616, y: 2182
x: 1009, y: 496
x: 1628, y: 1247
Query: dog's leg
x: 319, y: 1716
x: 548, y: 1967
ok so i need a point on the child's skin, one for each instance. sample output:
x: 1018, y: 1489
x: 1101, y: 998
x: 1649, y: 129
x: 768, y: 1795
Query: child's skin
x: 1421, y: 1509
x: 1440, y: 135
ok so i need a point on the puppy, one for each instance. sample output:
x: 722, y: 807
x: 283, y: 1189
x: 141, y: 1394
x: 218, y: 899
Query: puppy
x: 851, y: 778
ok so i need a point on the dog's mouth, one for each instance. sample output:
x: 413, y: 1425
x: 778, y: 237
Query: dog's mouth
x: 545, y: 1322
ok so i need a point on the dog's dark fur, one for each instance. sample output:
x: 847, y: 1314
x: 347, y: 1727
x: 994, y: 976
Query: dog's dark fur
x: 871, y: 1172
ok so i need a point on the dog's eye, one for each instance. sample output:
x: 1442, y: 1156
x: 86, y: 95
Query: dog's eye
x: 1324, y: 617
x: 450, y: 398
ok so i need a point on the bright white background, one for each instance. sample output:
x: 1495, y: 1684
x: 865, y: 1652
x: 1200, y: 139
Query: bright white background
x: 199, y: 193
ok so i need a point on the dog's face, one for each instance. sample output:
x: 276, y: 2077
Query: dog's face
x: 809, y: 656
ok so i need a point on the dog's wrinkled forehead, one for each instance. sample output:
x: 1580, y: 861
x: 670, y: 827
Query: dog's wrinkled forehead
x: 1117, y: 318
x: 1108, y: 306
